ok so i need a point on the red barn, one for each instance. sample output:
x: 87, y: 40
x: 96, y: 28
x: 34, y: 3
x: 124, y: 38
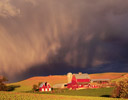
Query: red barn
x: 79, y: 81
x: 44, y: 87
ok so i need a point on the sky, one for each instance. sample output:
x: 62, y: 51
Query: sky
x: 54, y: 37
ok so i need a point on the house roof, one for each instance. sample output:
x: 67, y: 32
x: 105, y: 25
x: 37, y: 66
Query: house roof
x: 82, y: 76
x: 42, y: 84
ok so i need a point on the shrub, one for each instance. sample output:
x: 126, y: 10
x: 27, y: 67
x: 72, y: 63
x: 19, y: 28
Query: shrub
x: 35, y: 87
x: 121, y: 89
x: 12, y: 87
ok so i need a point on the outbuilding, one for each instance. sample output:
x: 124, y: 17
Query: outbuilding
x: 44, y: 87
x: 79, y: 81
x: 100, y: 81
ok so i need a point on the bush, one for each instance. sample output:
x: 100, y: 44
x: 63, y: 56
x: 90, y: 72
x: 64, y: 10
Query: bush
x: 12, y: 87
x: 121, y: 89
x: 35, y: 87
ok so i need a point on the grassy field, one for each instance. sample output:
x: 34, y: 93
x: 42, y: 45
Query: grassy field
x: 26, y: 85
x: 107, y: 75
x: 24, y: 89
x: 102, y: 92
x: 30, y: 96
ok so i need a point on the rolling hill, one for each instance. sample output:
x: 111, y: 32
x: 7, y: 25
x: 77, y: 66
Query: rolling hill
x: 26, y: 85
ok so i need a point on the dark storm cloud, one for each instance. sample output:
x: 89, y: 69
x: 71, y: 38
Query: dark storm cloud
x: 54, y: 36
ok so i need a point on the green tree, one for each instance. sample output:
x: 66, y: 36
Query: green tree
x: 39, y: 84
x: 35, y: 87
x: 121, y: 89
x: 3, y: 86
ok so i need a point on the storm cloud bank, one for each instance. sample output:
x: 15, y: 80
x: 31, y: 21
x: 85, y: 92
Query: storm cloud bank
x: 42, y: 37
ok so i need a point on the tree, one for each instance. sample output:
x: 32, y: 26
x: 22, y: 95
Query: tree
x: 121, y: 89
x: 39, y: 84
x: 3, y: 86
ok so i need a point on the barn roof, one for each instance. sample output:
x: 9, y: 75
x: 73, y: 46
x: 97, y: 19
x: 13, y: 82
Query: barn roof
x: 82, y: 76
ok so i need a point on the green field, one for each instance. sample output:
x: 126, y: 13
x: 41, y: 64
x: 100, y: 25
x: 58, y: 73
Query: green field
x: 102, y: 92
x: 23, y: 90
x: 26, y: 85
x: 61, y: 94
x: 30, y: 96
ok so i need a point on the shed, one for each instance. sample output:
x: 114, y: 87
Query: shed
x: 59, y: 85
x: 102, y: 81
x: 44, y: 87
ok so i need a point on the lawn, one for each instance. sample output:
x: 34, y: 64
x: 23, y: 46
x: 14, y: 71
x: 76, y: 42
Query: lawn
x: 102, y: 92
x: 30, y: 96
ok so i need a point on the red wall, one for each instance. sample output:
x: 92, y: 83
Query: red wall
x: 74, y: 79
x: 83, y: 80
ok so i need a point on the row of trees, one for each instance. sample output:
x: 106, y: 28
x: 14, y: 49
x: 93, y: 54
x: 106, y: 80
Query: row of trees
x: 4, y: 87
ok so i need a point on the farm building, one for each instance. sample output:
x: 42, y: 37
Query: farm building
x: 44, y: 87
x: 100, y: 81
x: 62, y: 85
x: 78, y: 80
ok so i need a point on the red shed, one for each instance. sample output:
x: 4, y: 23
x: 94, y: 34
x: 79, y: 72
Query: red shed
x: 79, y: 81
x: 44, y: 87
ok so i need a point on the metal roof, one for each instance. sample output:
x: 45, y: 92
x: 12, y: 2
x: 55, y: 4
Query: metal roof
x: 82, y: 76
x: 42, y: 84
x: 100, y: 79
x: 59, y: 85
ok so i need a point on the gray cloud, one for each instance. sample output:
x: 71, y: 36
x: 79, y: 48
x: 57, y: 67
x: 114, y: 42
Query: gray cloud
x: 7, y: 9
x: 80, y: 33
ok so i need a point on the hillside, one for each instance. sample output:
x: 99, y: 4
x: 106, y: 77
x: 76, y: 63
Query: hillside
x: 107, y: 75
x: 26, y: 85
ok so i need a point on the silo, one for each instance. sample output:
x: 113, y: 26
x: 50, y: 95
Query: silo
x: 69, y: 76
